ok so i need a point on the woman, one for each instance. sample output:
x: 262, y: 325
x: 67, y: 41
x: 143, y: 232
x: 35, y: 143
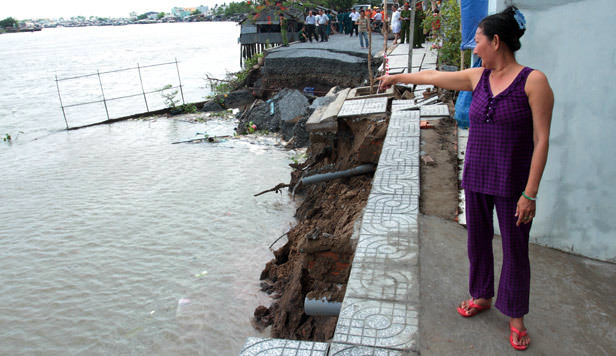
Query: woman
x: 395, y: 24
x: 363, y: 24
x: 510, y: 118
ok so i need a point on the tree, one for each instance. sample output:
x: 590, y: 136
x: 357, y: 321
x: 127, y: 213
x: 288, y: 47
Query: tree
x: 9, y: 22
x: 445, y: 32
x: 238, y: 8
x: 160, y: 15
x: 142, y: 17
x: 196, y: 12
x: 341, y: 4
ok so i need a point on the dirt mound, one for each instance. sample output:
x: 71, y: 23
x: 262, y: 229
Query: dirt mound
x: 317, y: 258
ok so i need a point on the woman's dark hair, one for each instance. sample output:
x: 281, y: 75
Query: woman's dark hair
x: 505, y: 26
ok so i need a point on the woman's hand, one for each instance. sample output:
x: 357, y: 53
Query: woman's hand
x: 386, y: 81
x: 525, y: 211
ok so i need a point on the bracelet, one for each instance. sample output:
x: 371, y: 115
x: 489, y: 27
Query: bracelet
x: 527, y: 197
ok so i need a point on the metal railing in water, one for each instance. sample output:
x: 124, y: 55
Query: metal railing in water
x: 106, y: 100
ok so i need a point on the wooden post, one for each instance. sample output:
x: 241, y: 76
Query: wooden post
x: 385, y: 27
x: 370, y: 75
x: 411, y: 35
x: 461, y: 52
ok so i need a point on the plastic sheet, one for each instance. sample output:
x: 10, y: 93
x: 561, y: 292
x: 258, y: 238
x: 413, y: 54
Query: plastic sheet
x: 463, y: 104
x: 473, y: 11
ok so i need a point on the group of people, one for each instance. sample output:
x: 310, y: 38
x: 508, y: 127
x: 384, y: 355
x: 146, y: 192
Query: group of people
x: 321, y: 25
x: 318, y: 26
x: 401, y: 25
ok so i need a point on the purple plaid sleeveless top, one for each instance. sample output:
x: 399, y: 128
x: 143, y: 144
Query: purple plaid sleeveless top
x: 500, y: 143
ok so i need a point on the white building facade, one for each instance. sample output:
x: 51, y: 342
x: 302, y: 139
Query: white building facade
x: 572, y: 42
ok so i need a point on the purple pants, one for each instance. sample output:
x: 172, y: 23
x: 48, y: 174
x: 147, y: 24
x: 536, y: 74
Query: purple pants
x: 514, y: 285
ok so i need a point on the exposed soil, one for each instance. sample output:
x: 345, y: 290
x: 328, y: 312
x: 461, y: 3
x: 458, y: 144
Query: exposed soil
x: 439, y: 180
x: 316, y: 260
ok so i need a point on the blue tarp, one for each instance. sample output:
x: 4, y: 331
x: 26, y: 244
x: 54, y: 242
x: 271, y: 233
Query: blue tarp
x: 463, y: 104
x: 472, y: 11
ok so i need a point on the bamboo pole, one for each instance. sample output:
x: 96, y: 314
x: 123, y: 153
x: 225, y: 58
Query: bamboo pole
x: 411, y: 35
x: 385, y: 28
x: 370, y: 75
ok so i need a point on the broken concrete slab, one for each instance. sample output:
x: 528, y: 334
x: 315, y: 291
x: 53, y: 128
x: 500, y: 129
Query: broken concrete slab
x: 362, y: 107
x: 434, y: 110
x: 336, y: 105
x: 327, y: 120
x: 321, y: 101
x: 315, y: 124
x: 399, y: 105
x: 364, y: 93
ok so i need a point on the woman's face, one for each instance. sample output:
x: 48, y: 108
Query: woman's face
x: 484, y: 48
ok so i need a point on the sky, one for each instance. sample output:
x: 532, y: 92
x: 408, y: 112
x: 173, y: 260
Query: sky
x: 26, y: 9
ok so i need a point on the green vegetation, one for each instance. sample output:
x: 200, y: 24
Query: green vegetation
x: 196, y: 12
x: 220, y: 88
x: 170, y: 99
x: 189, y: 108
x: 346, y: 4
x: 9, y: 22
x: 7, y: 138
x: 242, y: 7
x: 160, y: 15
x: 299, y: 157
x: 142, y: 17
x: 445, y: 33
x: 169, y: 96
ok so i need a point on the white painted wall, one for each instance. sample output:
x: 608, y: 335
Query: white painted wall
x: 573, y: 43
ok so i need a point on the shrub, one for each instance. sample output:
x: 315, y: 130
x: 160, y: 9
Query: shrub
x: 444, y: 31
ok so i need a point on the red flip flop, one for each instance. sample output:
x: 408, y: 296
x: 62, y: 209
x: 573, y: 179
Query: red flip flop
x: 471, y: 304
x: 520, y: 335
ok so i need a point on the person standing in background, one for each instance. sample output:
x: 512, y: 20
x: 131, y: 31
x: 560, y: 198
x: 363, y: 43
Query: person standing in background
x: 348, y: 24
x: 283, y: 30
x: 310, y: 26
x: 418, y: 35
x: 323, y: 23
x: 395, y: 23
x: 405, y: 18
x: 363, y: 24
x: 354, y: 17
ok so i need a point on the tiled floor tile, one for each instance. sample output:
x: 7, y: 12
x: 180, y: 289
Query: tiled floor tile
x: 392, y: 324
x: 279, y: 347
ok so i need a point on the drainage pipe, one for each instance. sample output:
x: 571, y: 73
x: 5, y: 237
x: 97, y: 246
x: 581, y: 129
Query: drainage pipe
x: 321, y: 307
x: 318, y: 178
